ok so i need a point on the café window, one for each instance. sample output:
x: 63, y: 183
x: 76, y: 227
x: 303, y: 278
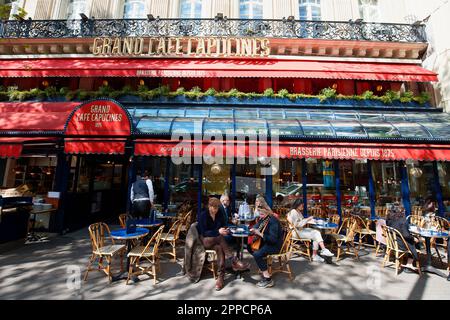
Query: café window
x: 76, y: 7
x: 310, y: 10
x: 369, y: 10
x: 134, y: 9
x: 421, y: 184
x: 251, y: 9
x: 387, y: 181
x: 287, y: 183
x: 444, y: 180
x: 191, y: 9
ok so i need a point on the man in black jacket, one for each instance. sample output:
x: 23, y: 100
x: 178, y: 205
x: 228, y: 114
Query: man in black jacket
x: 271, y: 242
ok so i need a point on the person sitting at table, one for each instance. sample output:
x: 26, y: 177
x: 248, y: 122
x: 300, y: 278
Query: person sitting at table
x: 225, y: 209
x: 269, y: 229
x: 212, y: 229
x: 396, y: 219
x: 261, y: 202
x: 296, y: 219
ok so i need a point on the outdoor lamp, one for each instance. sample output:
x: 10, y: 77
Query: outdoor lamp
x: 150, y: 17
x: 45, y: 83
x: 105, y: 83
x: 416, y: 172
x: 84, y: 17
x: 216, y: 169
x: 141, y: 82
x: 334, y: 86
x: 379, y: 88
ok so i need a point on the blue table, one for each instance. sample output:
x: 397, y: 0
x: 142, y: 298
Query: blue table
x: 427, y: 234
x: 121, y: 234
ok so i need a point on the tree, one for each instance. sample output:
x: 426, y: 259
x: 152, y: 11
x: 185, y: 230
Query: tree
x: 5, y: 11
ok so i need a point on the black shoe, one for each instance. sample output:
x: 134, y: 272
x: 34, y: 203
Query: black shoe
x: 265, y: 283
x: 448, y: 278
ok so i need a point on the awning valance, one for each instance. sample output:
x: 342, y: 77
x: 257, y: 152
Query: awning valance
x: 12, y: 147
x: 214, y: 68
x: 94, y: 146
x: 294, y: 149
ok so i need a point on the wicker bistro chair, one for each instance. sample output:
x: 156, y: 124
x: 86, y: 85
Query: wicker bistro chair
x: 99, y: 233
x: 283, y: 257
x: 392, y: 245
x: 349, y: 226
x: 148, y: 254
x: 363, y: 231
x: 299, y: 245
x: 171, y: 238
x: 316, y: 212
x: 186, y: 223
x: 211, y: 258
x: 416, y: 211
x: 441, y: 224
x: 381, y: 212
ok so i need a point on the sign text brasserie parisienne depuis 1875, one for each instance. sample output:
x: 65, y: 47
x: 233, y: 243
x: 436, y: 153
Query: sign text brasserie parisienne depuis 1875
x: 181, y: 46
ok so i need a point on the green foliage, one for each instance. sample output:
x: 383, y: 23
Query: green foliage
x: 142, y: 88
x: 269, y: 93
x: 210, y: 92
x: 390, y: 96
x: 423, y: 98
x: 104, y: 91
x: 327, y: 93
x: 406, y: 96
x: 367, y: 95
x: 5, y: 11
x: 50, y: 92
x: 283, y: 93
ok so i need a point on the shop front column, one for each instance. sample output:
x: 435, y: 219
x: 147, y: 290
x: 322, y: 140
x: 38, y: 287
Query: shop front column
x: 233, y: 187
x: 371, y: 189
x: 166, y: 184
x: 269, y: 191
x: 338, y: 187
x: 61, y: 183
x: 438, y: 190
x: 405, y: 188
x: 131, y: 179
x: 304, y: 190
x: 200, y: 190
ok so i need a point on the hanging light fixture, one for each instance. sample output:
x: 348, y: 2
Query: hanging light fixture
x: 415, y: 172
x: 216, y: 169
x: 441, y: 171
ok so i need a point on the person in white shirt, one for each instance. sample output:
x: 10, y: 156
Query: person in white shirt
x: 297, y: 220
x: 142, y: 196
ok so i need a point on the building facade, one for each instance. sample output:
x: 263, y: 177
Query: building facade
x: 333, y: 94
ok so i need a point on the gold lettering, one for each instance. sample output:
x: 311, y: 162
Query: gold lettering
x: 178, y: 46
x: 170, y: 47
x: 116, y: 46
x: 161, y: 49
x: 139, y: 46
x: 150, y: 47
x: 97, y: 47
x: 106, y: 49
x: 189, y: 47
x: 128, y: 46
x: 210, y: 44
x: 200, y: 46
x: 265, y: 48
x: 246, y: 47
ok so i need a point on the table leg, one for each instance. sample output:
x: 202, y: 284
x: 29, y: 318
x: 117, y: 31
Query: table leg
x: 428, y: 267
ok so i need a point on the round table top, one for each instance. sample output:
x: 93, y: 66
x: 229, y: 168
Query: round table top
x: 148, y: 223
x: 242, y: 233
x: 329, y: 225
x: 428, y: 233
x: 167, y: 215
x: 253, y: 218
x: 121, y: 234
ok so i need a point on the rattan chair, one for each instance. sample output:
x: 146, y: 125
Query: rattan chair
x: 441, y: 224
x: 147, y: 254
x: 416, y: 211
x: 349, y: 225
x: 393, y: 237
x: 316, y: 212
x: 211, y: 261
x: 363, y: 231
x: 283, y: 257
x: 299, y: 245
x: 381, y: 212
x: 100, y: 234
x: 171, y: 238
x: 186, y: 223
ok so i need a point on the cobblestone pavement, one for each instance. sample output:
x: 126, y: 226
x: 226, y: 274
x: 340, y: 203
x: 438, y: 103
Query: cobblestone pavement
x: 54, y: 270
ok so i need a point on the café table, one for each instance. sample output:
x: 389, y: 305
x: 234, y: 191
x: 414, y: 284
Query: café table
x: 121, y: 234
x: 240, y: 232
x: 324, y: 227
x: 427, y: 234
x: 148, y: 223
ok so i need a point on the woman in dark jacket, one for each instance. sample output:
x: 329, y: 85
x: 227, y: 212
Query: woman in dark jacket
x: 396, y: 219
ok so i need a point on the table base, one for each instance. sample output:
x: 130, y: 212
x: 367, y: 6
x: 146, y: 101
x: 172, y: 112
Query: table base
x: 124, y: 276
x: 431, y: 269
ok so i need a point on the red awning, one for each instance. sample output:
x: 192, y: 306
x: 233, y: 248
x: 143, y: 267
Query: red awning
x: 214, y: 68
x: 35, y: 116
x: 12, y: 147
x: 300, y: 149
x: 93, y: 146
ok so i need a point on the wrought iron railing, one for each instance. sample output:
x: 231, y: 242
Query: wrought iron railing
x: 284, y: 28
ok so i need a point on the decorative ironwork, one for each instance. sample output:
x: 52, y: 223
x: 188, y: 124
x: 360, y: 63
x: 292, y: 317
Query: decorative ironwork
x: 361, y: 31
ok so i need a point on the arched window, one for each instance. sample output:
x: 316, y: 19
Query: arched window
x: 134, y: 9
x: 369, y: 10
x: 251, y: 9
x: 191, y: 9
x: 310, y: 10
x: 75, y: 8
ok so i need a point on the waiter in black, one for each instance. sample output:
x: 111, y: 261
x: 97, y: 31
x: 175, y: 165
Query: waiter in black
x: 142, y: 195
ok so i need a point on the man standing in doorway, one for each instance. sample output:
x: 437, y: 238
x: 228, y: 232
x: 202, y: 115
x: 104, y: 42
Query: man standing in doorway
x: 142, y: 196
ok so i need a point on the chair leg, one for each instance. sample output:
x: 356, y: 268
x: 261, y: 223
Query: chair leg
x: 108, y: 268
x: 174, y: 251
x: 154, y: 273
x: 397, y: 263
x: 418, y: 267
x: 386, y: 257
x: 91, y: 259
x: 338, y: 252
x: 130, y: 270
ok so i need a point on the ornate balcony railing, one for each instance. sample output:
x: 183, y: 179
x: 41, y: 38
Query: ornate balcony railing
x: 285, y: 28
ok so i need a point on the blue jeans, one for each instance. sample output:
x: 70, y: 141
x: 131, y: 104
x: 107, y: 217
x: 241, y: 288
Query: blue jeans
x: 261, y: 254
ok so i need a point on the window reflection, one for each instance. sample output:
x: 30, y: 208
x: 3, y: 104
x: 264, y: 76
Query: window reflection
x: 387, y: 182
x: 421, y: 185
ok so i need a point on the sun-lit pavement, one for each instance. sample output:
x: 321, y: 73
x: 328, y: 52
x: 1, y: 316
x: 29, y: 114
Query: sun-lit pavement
x: 53, y: 270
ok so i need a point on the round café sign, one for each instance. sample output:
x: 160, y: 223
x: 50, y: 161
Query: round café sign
x: 99, y: 118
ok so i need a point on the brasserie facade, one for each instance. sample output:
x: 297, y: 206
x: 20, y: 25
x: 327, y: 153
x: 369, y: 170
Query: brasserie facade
x: 287, y: 115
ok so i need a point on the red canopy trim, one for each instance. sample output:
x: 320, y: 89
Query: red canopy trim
x: 99, y: 118
x: 214, y: 68
x: 92, y: 146
x: 12, y: 147
x: 300, y: 149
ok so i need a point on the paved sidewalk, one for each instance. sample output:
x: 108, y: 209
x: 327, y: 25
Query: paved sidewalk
x: 53, y: 270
